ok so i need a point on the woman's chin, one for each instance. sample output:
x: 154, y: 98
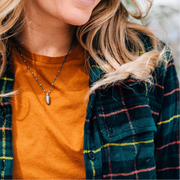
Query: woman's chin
x: 78, y: 21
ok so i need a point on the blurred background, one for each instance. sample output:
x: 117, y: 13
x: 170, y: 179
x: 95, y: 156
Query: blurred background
x: 165, y: 20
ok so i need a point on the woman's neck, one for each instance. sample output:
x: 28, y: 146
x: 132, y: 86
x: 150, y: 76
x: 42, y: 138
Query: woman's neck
x: 45, y: 35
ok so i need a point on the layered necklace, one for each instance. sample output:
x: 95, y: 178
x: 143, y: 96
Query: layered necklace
x: 47, y: 93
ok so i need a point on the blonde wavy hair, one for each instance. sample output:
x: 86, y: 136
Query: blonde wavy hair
x: 114, y: 42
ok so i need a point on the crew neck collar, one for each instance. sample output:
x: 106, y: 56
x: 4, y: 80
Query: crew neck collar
x: 47, y: 59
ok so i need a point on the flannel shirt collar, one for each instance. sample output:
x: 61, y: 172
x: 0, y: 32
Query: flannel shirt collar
x: 6, y: 82
x: 95, y: 72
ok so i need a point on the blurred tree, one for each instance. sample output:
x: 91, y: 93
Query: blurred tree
x: 162, y: 12
x: 166, y: 17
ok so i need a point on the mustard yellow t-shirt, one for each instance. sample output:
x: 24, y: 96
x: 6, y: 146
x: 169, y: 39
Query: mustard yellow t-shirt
x: 48, y: 139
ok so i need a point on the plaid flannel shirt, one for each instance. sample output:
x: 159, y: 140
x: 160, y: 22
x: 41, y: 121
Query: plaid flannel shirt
x: 131, y: 129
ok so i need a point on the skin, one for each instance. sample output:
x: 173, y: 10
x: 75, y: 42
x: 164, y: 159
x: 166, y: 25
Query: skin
x: 51, y: 24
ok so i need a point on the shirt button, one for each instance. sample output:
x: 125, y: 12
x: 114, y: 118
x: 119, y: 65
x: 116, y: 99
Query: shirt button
x: 109, y: 130
x: 92, y: 156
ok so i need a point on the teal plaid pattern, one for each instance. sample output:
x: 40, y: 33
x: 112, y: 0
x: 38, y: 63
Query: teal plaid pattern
x: 131, y: 128
x: 6, y: 150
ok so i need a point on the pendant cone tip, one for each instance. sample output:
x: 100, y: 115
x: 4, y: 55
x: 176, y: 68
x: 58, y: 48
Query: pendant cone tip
x: 47, y: 99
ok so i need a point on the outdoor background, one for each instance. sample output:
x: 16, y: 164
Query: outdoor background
x: 165, y: 16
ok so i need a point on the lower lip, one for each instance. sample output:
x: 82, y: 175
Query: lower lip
x: 86, y: 2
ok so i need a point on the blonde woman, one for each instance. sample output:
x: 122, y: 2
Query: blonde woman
x: 54, y: 53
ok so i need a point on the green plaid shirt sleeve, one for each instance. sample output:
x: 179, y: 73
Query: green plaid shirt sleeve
x: 167, y: 141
